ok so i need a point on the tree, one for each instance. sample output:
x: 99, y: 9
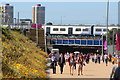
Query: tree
x: 110, y: 35
x: 49, y: 23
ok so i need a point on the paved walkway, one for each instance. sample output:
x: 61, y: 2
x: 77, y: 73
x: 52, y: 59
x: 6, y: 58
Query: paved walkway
x: 91, y: 70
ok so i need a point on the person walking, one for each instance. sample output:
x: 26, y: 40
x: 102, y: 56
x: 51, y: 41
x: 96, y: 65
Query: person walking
x: 71, y: 63
x: 61, y: 62
x: 80, y: 65
x: 92, y: 57
x: 87, y: 58
x: 54, y: 62
x: 75, y: 59
x: 106, y: 59
x: 99, y: 57
x: 115, y: 75
x: 103, y: 58
x: 95, y: 58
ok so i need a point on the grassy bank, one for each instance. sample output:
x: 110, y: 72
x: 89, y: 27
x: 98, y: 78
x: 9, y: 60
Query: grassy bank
x: 21, y: 58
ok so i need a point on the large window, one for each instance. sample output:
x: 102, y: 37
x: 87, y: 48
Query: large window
x: 78, y: 29
x: 55, y: 29
x: 85, y: 29
x: 62, y: 29
x: 104, y: 30
x: 98, y: 30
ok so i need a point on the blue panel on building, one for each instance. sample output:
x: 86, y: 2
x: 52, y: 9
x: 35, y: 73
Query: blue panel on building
x: 65, y: 41
x: 77, y: 41
x: 83, y: 42
x: 71, y: 41
x: 54, y: 41
x: 100, y: 42
x: 96, y: 42
x: 59, y: 41
x: 89, y: 42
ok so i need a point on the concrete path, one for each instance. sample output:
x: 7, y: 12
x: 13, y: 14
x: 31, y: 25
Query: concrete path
x: 91, y: 70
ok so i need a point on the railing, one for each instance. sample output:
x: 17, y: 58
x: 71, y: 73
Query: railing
x: 74, y: 37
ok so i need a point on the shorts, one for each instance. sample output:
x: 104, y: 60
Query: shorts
x: 80, y: 65
x: 71, y: 64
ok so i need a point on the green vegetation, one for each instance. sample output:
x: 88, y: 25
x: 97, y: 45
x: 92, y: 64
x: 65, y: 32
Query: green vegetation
x: 49, y: 23
x: 21, y: 58
x: 110, y: 35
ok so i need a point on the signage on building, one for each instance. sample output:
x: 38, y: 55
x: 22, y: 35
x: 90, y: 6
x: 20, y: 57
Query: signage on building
x: 38, y: 25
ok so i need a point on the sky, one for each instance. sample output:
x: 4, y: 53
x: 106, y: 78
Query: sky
x: 73, y: 13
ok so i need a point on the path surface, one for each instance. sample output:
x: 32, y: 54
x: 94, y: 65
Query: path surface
x: 91, y: 70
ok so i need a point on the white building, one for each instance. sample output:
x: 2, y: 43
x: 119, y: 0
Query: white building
x: 38, y: 14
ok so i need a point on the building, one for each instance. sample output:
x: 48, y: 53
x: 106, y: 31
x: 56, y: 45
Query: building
x: 85, y: 39
x: 38, y: 14
x: 7, y: 14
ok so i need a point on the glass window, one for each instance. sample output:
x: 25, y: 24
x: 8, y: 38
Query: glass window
x: 85, y: 29
x: 62, y: 29
x: 104, y: 29
x: 78, y: 29
x: 98, y: 29
x: 55, y: 29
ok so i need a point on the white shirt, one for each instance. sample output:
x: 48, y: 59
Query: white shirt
x: 105, y: 56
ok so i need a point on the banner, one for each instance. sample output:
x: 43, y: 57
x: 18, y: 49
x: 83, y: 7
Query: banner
x: 118, y: 41
x: 105, y: 45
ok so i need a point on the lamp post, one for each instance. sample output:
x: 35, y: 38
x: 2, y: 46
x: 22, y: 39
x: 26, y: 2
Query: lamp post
x: 107, y: 24
x: 18, y: 19
x: 113, y: 40
x: 102, y: 43
x: 36, y: 34
x: 45, y: 38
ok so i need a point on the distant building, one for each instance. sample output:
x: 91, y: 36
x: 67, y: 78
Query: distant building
x: 6, y: 14
x: 38, y: 14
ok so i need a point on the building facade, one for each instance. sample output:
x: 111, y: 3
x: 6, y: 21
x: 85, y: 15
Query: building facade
x: 6, y: 14
x: 38, y: 14
x: 85, y: 39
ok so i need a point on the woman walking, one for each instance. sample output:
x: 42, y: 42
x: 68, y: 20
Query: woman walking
x: 80, y: 65
x: 71, y: 63
x: 106, y: 59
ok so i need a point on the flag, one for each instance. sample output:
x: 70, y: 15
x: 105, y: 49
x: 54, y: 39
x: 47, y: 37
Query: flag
x: 118, y: 41
x: 105, y: 45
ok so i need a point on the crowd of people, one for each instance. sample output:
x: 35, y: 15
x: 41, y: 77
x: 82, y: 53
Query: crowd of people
x: 81, y: 60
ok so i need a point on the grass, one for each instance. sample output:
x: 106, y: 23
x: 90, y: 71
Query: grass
x: 21, y: 58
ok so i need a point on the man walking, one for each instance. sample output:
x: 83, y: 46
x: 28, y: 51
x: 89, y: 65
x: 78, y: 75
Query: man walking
x: 61, y: 62
x: 116, y: 72
x: 54, y: 62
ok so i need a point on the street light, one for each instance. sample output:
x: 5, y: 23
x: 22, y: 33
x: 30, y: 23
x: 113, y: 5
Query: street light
x: 107, y: 24
x: 102, y: 43
x: 36, y: 34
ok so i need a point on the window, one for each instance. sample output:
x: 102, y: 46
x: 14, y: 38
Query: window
x: 104, y: 29
x: 62, y: 29
x: 98, y: 30
x: 55, y: 29
x: 85, y: 29
x: 78, y: 29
